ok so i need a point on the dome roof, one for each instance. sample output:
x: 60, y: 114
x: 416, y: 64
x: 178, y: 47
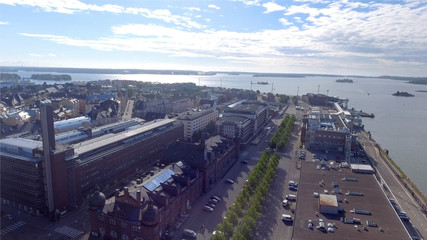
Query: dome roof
x: 97, y: 200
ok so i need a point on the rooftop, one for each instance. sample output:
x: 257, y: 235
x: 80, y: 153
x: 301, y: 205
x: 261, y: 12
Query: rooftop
x: 91, y: 144
x: 244, y: 108
x: 373, y: 199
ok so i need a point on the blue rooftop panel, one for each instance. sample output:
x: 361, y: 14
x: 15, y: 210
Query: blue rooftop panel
x: 161, y: 178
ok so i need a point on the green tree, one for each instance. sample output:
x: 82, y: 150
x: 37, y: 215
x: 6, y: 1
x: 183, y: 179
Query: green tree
x: 227, y: 228
x: 232, y: 217
x: 218, y: 236
x: 238, y: 236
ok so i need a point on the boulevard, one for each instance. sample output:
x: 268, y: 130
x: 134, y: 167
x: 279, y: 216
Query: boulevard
x: 394, y: 189
x: 270, y: 223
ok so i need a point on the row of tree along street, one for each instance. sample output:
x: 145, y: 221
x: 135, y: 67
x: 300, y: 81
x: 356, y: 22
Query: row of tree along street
x: 240, y: 220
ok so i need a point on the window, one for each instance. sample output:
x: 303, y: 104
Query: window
x: 124, y: 224
x: 112, y: 221
x: 135, y: 228
x: 101, y: 218
x: 113, y: 234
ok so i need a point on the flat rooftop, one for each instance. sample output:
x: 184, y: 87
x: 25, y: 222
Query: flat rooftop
x: 373, y: 200
x: 91, y: 144
x: 246, y: 108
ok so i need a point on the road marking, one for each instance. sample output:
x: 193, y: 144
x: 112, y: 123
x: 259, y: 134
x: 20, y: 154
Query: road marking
x: 12, y: 227
x: 68, y: 231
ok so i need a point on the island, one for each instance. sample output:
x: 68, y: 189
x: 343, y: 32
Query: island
x: 51, y: 77
x: 344, y: 80
x: 263, y: 83
x: 9, y: 76
x: 402, y: 94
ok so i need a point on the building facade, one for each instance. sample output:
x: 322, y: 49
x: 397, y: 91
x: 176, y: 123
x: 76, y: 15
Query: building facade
x: 255, y: 111
x: 322, y: 130
x: 59, y: 175
x: 235, y: 127
x: 149, y: 208
x: 197, y: 120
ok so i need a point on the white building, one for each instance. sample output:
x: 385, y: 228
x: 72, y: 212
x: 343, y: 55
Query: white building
x: 196, y: 120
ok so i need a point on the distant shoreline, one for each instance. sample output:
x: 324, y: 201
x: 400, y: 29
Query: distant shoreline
x: 17, y: 69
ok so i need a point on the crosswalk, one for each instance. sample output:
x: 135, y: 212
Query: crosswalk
x: 68, y: 231
x: 12, y: 227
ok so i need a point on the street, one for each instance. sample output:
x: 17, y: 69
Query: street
x: 270, y: 223
x: 395, y: 189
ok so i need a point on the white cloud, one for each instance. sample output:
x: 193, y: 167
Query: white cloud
x: 75, y: 6
x: 249, y: 2
x: 339, y: 34
x: 3, y: 23
x: 35, y: 55
x: 272, y: 7
x: 313, y: 1
x: 285, y: 22
x: 52, y: 55
x: 312, y: 12
x: 193, y: 9
x: 213, y: 6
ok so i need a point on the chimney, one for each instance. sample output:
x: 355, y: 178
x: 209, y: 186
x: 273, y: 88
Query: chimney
x: 138, y: 195
x: 117, y: 192
x: 126, y: 190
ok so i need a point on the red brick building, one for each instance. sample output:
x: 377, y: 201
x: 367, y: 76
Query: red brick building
x: 150, y: 208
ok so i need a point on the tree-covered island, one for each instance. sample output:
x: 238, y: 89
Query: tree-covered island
x: 51, y: 77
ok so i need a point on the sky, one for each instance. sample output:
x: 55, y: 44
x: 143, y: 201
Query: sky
x: 346, y: 37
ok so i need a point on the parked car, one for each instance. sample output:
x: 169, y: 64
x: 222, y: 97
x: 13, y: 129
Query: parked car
x: 229, y: 181
x: 244, y: 161
x: 216, y: 198
x: 287, y: 218
x: 310, y: 224
x: 208, y: 208
x: 213, y: 201
x: 285, y: 203
x: 292, y: 188
x: 403, y: 215
x: 293, y: 183
x: 188, y: 233
x: 291, y: 197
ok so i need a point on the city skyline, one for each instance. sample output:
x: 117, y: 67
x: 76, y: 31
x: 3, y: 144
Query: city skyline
x: 300, y: 36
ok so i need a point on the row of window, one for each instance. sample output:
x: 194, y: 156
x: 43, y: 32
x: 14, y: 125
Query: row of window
x: 112, y: 221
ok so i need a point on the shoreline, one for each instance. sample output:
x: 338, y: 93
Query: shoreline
x: 416, y: 194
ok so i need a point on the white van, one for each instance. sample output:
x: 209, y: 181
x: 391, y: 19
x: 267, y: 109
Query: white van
x: 287, y: 218
x: 291, y: 197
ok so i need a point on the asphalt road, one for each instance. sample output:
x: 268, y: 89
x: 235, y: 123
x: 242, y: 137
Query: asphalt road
x: 396, y: 191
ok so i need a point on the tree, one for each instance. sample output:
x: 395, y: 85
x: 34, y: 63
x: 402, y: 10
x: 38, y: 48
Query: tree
x: 238, y: 236
x: 218, y: 236
x: 232, y: 217
x: 227, y: 228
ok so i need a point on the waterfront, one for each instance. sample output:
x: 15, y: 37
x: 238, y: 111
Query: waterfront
x: 397, y: 125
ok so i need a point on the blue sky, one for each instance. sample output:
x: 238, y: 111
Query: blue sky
x: 300, y: 36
